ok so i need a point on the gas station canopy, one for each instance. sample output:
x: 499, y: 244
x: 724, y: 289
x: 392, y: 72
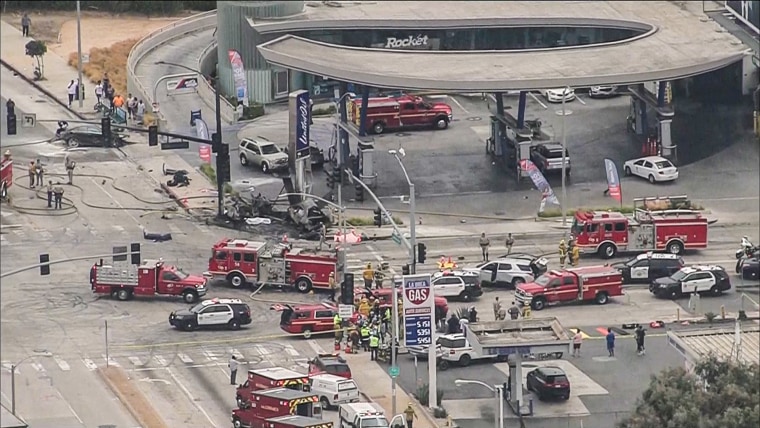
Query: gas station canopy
x: 518, y: 337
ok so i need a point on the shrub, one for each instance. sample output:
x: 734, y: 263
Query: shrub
x: 422, y: 394
x: 209, y: 172
x: 324, y: 111
x: 440, y: 413
x: 111, y: 60
x: 368, y: 221
x: 252, y: 112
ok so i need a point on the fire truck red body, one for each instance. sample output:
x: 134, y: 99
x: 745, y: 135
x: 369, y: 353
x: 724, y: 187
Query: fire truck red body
x: 240, y: 262
x: 607, y: 233
x: 400, y: 112
x: 6, y: 174
x: 271, y: 403
x: 593, y: 283
x: 151, y: 278
x: 273, y: 377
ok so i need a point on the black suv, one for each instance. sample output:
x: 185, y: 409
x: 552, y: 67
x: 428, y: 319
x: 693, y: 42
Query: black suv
x: 548, y: 158
x: 232, y: 313
x: 696, y: 279
x: 649, y: 266
x: 548, y: 382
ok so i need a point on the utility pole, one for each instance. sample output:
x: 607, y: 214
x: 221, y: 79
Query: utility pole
x: 564, y: 159
x: 80, y: 86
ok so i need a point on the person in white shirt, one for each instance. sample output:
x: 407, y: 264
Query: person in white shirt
x: 99, y: 91
x: 140, y: 111
x: 577, y: 341
x: 72, y: 91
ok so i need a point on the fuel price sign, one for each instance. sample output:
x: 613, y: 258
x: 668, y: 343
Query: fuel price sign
x: 418, y: 310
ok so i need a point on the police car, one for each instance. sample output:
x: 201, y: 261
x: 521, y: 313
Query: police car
x: 649, y: 266
x: 231, y: 313
x: 694, y: 279
x: 457, y: 284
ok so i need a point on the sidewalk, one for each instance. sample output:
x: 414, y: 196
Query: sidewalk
x: 375, y: 383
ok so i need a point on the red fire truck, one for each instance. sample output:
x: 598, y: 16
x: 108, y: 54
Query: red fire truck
x: 271, y: 403
x: 241, y: 262
x: 594, y: 283
x: 274, y: 377
x: 6, y: 174
x: 151, y: 278
x: 606, y: 233
x: 400, y: 112
x: 294, y: 421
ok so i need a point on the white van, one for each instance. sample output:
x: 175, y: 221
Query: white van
x: 334, y: 390
x: 367, y: 415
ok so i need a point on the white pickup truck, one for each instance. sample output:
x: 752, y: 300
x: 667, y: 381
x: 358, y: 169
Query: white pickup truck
x: 367, y: 415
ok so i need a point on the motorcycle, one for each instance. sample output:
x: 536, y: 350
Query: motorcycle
x: 748, y: 250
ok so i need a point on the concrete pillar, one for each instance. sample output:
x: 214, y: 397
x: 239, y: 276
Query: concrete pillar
x: 642, y: 128
x: 521, y: 110
x: 661, y: 88
x: 499, y: 103
x: 343, y: 144
x: 367, y: 164
x: 363, y: 114
x: 666, y: 143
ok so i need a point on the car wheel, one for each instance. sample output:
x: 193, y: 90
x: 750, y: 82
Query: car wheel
x: 234, y: 324
x: 464, y: 360
x: 325, y: 403
x: 607, y: 251
x: 675, y: 247
x: 123, y: 294
x: 465, y: 296
x: 627, y: 171
x: 675, y: 293
x: 441, y: 123
x: 72, y: 142
x: 443, y: 365
x: 566, y: 397
x: 189, y: 296
x: 303, y: 285
x: 306, y: 332
x: 715, y: 291
x: 243, y: 160
x: 378, y: 127
x: 538, y: 304
x: 190, y: 325
x: 265, y: 167
x: 237, y: 423
x: 602, y: 299
x: 651, y: 178
x: 517, y: 281
x: 237, y: 280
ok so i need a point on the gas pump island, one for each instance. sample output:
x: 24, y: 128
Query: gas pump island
x: 516, y: 340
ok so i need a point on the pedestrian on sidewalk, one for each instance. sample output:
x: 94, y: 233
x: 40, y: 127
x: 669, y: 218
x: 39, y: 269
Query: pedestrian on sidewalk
x: 140, y: 111
x: 640, y: 333
x: 26, y: 22
x: 364, y: 333
x: 131, y: 107
x: 32, y: 174
x: 510, y: 242
x: 322, y: 235
x: 49, y: 189
x: 70, y: 165
x: 39, y: 172
x: 10, y: 107
x: 333, y: 286
x: 58, y: 196
x: 484, y: 244
x: 233, y: 365
x: 411, y: 415
x: 514, y: 311
x: 99, y: 91
x: 496, y: 308
x: 374, y: 344
x: 577, y: 341
x: 610, y: 342
x: 72, y: 90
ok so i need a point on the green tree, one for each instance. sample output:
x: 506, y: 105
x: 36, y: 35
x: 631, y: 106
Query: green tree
x: 37, y: 49
x: 718, y: 394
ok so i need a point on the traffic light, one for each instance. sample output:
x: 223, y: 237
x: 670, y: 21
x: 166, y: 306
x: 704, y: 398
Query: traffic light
x: 44, y: 267
x: 359, y: 192
x: 153, y: 135
x: 337, y: 174
x: 330, y: 178
x: 347, y: 289
x: 405, y: 270
x: 105, y: 126
x: 216, y: 141
x: 378, y: 217
x: 11, y: 124
x: 421, y: 253
x: 134, y: 250
x: 223, y: 163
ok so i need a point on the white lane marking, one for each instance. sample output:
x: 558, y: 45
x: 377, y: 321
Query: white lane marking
x: 175, y: 230
x: 8, y: 366
x: 580, y: 100
x: 45, y: 234
x: 210, y: 355
x: 135, y: 361
x: 316, y: 346
x: 191, y: 397
x: 291, y: 350
x: 63, y: 365
x: 110, y: 361
x: 38, y: 367
x: 160, y: 360
x: 239, y: 355
x: 262, y: 350
x: 89, y: 364
x: 185, y: 358
x: 536, y: 99
x: 459, y: 104
x: 116, y: 201
x: 379, y: 258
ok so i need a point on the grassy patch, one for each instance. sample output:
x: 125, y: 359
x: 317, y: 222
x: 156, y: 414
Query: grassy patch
x: 111, y: 60
x: 326, y: 111
x: 368, y: 221
x: 209, y: 172
x: 552, y: 213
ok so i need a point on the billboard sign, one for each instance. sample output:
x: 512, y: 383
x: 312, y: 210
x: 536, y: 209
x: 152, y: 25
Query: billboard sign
x: 183, y: 85
x: 419, y: 320
x: 613, y: 180
x: 300, y: 119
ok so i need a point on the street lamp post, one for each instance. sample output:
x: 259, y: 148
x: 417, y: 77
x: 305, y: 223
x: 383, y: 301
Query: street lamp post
x: 80, y: 84
x: 218, y: 117
x: 496, y: 389
x: 398, y: 154
x: 339, y: 179
x: 39, y: 353
x: 564, y: 159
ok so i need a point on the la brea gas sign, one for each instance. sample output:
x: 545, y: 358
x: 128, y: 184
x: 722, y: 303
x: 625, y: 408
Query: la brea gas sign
x: 407, y: 42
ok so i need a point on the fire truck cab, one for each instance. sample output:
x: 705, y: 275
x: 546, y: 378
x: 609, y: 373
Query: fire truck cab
x: 152, y: 277
x: 241, y: 262
x: 400, y: 112
x: 271, y: 403
x: 273, y: 377
x: 594, y: 283
x: 6, y: 174
x: 607, y: 233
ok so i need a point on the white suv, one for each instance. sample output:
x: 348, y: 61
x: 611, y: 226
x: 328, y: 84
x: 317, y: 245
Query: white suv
x: 455, y: 349
x: 263, y: 154
x: 510, y: 271
x: 460, y: 285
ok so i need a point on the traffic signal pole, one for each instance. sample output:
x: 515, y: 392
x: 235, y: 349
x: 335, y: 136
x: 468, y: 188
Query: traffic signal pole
x: 412, y: 230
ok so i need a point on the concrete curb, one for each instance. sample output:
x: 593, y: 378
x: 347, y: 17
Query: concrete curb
x: 147, y: 416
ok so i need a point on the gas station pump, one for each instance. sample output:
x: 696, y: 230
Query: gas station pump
x: 366, y: 159
x: 508, y: 145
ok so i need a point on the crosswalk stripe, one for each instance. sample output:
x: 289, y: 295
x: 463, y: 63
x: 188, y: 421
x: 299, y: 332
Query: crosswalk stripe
x: 291, y: 350
x: 239, y: 355
x: 38, y: 367
x: 185, y: 358
x: 175, y: 230
x: 160, y: 360
x: 8, y: 366
x: 135, y: 361
x: 111, y: 361
x: 63, y: 365
x: 209, y: 355
x: 263, y: 351
x: 46, y: 235
x: 89, y: 364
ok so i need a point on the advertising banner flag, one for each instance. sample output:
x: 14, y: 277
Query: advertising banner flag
x: 613, y: 181
x: 238, y: 73
x: 201, y: 129
x: 547, y: 194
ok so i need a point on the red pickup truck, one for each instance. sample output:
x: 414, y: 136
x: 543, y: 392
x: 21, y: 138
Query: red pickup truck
x: 594, y: 283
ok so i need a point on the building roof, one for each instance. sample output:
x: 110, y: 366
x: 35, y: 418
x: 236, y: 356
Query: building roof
x: 676, y: 43
x: 697, y: 344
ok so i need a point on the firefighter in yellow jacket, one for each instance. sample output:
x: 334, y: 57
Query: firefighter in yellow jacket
x: 562, y: 253
x: 369, y: 276
x: 575, y: 254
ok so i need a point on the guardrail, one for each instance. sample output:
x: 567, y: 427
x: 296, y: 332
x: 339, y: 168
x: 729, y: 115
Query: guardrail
x: 228, y: 112
x: 157, y: 38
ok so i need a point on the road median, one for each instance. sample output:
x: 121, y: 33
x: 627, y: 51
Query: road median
x: 131, y: 397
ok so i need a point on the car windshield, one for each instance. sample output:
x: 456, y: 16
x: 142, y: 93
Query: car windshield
x: 197, y: 308
x: 180, y: 274
x: 678, y: 275
x: 374, y: 422
x: 269, y: 149
x: 631, y: 262
x: 577, y: 227
x: 543, y: 280
x: 663, y: 164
